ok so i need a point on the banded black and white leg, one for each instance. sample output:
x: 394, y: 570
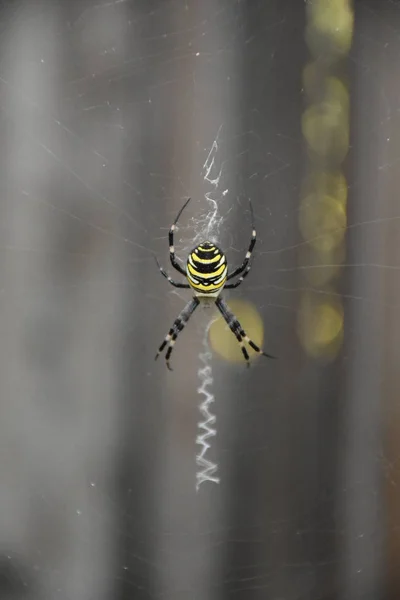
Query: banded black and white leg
x: 172, y: 256
x: 176, y: 284
x: 245, y: 266
x: 176, y: 328
x: 231, y: 286
x: 238, y: 331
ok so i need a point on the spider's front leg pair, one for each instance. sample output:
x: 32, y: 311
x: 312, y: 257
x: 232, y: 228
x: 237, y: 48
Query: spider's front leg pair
x: 246, y: 265
x: 172, y: 256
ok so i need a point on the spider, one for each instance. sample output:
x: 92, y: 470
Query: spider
x: 207, y: 274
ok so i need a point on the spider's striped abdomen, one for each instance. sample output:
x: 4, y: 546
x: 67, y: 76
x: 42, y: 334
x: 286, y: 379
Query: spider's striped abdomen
x: 206, y: 269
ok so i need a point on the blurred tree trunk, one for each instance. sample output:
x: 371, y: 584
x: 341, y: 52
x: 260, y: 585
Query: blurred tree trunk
x: 58, y: 317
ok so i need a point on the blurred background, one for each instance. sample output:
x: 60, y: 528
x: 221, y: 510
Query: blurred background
x: 119, y: 479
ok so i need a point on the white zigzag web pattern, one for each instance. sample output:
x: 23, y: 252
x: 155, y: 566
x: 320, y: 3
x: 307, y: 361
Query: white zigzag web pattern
x: 207, y: 468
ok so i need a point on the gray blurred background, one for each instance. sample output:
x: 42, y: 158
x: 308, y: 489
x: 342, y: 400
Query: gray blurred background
x: 111, y: 115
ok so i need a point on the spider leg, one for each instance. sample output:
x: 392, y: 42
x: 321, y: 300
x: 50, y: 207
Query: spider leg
x: 238, y: 330
x: 245, y: 263
x: 176, y: 328
x: 172, y: 282
x: 172, y: 256
x: 231, y: 286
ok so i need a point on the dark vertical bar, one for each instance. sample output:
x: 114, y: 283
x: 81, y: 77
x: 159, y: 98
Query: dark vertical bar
x: 359, y: 489
x: 275, y: 477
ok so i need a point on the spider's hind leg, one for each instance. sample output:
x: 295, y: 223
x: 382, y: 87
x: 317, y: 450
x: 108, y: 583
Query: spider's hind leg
x: 176, y: 328
x: 239, y: 337
x: 238, y: 331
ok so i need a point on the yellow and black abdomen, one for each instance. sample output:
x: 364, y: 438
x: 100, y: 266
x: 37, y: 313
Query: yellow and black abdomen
x: 206, y: 269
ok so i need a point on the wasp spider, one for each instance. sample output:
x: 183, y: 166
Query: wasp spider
x: 207, y: 274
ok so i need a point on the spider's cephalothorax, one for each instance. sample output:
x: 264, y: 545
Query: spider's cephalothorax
x: 206, y: 270
x: 207, y: 273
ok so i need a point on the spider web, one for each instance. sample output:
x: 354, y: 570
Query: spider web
x: 112, y: 114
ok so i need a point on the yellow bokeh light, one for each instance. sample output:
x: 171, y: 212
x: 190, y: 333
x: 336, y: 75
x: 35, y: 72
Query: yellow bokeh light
x: 225, y: 343
x: 319, y: 86
x: 320, y: 326
x: 322, y: 212
x: 326, y: 183
x: 328, y: 323
x: 337, y: 91
x: 322, y: 221
x: 326, y: 129
x: 331, y: 20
